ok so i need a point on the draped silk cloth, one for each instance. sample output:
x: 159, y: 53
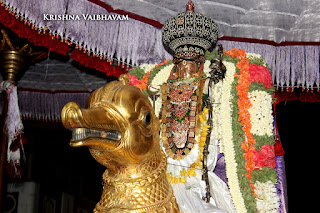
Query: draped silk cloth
x: 282, y: 184
x: 189, y: 194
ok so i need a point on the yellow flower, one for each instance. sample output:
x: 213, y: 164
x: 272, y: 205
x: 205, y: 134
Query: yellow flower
x: 193, y: 165
x: 168, y: 176
x: 182, y: 180
x: 183, y: 172
x: 175, y: 180
x: 199, y: 164
x: 202, y: 141
x: 172, y: 179
x: 205, y: 110
x: 201, y: 118
x: 191, y: 172
x: 201, y: 157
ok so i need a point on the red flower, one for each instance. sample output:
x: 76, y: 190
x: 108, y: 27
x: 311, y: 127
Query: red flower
x: 265, y: 157
x: 261, y: 74
x: 134, y: 80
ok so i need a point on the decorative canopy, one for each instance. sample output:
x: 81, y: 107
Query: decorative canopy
x: 130, y: 31
x: 278, y: 21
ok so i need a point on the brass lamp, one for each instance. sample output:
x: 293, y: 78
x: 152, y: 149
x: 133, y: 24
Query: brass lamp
x: 15, y: 61
x: 13, y: 64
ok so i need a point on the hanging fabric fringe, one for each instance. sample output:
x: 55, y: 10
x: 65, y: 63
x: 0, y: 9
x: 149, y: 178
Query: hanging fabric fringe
x: 46, y: 106
x: 134, y: 42
x: 291, y: 66
x: 14, y: 128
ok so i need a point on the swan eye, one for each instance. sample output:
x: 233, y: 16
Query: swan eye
x: 147, y: 118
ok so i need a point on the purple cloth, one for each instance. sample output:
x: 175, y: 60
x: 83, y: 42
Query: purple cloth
x: 282, y: 184
x: 220, y: 169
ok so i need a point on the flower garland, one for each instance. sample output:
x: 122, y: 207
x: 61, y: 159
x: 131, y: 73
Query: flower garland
x: 157, y: 78
x: 227, y: 144
x: 267, y: 199
x: 261, y: 113
x: 256, y: 149
x: 244, y: 104
x: 260, y: 74
x: 242, y: 123
x: 216, y: 93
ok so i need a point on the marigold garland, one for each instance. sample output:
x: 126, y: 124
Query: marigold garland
x: 244, y: 104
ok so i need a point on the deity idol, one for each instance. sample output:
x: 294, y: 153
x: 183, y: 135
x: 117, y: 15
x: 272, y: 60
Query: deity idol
x: 185, y: 119
x: 217, y: 124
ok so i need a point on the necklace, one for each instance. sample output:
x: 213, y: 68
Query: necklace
x: 187, y: 79
x: 182, y: 103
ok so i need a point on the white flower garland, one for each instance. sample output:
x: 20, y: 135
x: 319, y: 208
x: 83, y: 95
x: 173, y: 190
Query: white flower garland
x: 206, y: 68
x: 261, y: 113
x: 267, y: 200
x: 253, y: 55
x: 227, y: 139
x: 162, y: 76
x: 147, y: 67
x: 216, y: 94
x: 156, y: 83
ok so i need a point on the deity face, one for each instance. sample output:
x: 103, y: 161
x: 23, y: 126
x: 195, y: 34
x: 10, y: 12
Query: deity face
x: 186, y: 68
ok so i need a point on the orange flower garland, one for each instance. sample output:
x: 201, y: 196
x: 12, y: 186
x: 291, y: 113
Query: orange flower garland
x: 162, y: 63
x: 143, y: 83
x: 244, y: 104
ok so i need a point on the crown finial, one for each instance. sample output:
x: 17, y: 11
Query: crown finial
x: 190, y: 6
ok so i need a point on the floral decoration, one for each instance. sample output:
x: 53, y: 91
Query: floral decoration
x: 227, y: 144
x: 267, y: 199
x: 243, y: 124
x: 260, y: 74
x: 141, y: 84
x: 244, y: 104
x: 261, y: 113
x: 265, y: 157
